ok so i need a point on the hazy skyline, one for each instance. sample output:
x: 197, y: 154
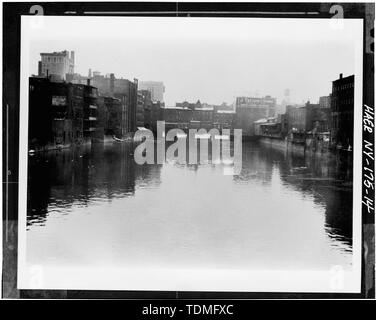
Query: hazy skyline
x: 211, y: 59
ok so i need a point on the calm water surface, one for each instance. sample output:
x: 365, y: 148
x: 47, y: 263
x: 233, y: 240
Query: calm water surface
x: 95, y: 206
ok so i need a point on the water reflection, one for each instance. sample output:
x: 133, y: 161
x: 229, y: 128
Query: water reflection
x: 327, y: 178
x: 81, y: 176
x: 282, y: 211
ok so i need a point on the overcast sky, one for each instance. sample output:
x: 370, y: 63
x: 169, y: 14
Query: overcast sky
x: 211, y: 59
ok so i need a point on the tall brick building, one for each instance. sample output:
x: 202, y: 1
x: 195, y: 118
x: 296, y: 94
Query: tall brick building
x: 308, y: 118
x: 342, y: 107
x: 144, y: 106
x: 122, y: 89
x: 60, y: 113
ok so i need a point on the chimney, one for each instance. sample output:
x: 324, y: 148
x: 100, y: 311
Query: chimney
x: 88, y: 81
x: 341, y: 75
x: 89, y: 73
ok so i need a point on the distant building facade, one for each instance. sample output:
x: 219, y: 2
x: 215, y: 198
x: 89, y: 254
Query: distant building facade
x: 112, y: 116
x: 60, y: 113
x: 324, y: 101
x: 177, y: 117
x: 186, y: 115
x: 144, y: 109
x: 157, y: 114
x: 122, y: 89
x: 202, y: 118
x: 250, y: 109
x: 156, y: 88
x: 342, y: 107
x: 224, y: 119
x: 296, y: 118
x: 318, y: 118
x: 56, y: 65
x: 308, y: 118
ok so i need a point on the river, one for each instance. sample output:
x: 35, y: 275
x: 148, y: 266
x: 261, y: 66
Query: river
x: 93, y: 206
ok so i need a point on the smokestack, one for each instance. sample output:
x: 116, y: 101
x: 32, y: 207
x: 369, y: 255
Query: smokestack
x: 89, y: 73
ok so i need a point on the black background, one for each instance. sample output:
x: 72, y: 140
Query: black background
x: 11, y: 84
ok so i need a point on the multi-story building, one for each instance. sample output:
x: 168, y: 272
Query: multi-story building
x: 283, y: 120
x: 202, y: 118
x: 56, y: 65
x: 156, y: 89
x: 296, y: 118
x: 318, y: 118
x: 197, y: 115
x: 308, y: 118
x: 127, y: 91
x: 90, y: 109
x: 224, y: 119
x: 157, y: 114
x: 144, y: 109
x: 122, y: 89
x: 342, y: 107
x: 60, y: 113
x: 324, y: 101
x: 140, y: 115
x: 250, y: 109
x: 112, y: 115
x: 177, y: 117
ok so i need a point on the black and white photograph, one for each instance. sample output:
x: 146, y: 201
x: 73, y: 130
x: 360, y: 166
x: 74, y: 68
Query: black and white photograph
x: 191, y: 153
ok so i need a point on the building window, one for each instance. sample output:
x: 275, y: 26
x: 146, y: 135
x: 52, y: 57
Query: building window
x: 59, y: 100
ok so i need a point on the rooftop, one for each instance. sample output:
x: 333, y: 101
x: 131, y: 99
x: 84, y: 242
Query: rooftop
x: 225, y: 111
x: 55, y: 53
x: 205, y: 109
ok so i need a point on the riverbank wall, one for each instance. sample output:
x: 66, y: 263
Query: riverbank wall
x: 308, y: 146
x: 58, y: 146
x: 107, y: 139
